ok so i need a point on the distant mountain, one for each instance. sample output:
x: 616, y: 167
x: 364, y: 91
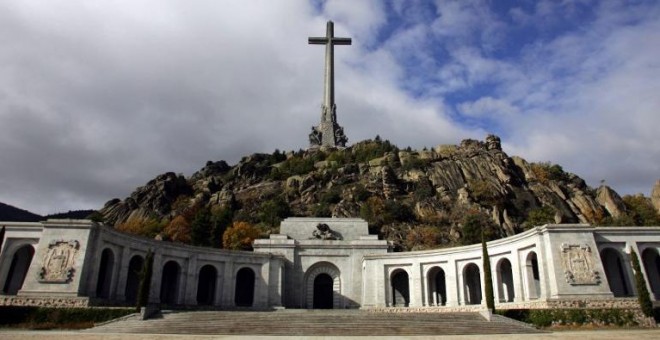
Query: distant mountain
x: 13, y: 214
x: 73, y: 214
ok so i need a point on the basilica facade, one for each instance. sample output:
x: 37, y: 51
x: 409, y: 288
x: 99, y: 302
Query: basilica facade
x: 326, y: 263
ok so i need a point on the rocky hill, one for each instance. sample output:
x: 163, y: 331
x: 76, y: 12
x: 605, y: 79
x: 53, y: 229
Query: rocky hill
x: 415, y: 198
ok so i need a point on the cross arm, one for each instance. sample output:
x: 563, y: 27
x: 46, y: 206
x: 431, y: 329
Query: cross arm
x: 341, y: 41
x: 318, y: 40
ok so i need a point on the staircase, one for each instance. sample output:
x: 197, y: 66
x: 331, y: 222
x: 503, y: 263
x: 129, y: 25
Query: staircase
x: 315, y: 323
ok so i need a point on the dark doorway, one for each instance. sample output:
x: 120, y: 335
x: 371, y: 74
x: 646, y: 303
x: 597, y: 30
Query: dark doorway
x: 437, y: 295
x: 133, y: 278
x: 472, y: 279
x: 18, y: 270
x: 652, y: 265
x: 244, y: 296
x: 400, y: 290
x: 206, y: 285
x: 169, y: 284
x: 323, y: 292
x: 105, y: 274
x: 615, y: 271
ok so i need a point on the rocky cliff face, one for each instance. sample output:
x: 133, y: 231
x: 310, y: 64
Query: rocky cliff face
x: 388, y: 186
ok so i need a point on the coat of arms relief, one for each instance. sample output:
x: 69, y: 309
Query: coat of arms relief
x: 58, y: 263
x: 578, y: 264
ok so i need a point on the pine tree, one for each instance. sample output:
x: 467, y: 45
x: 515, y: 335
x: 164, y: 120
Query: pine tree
x: 200, y: 228
x: 145, y: 280
x: 488, y: 279
x: 642, y: 292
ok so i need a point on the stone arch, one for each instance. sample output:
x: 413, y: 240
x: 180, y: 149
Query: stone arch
x: 244, y: 291
x: 320, y: 288
x: 133, y: 278
x: 532, y: 276
x: 616, y: 272
x: 18, y: 269
x: 505, y: 289
x: 104, y: 279
x: 651, y: 261
x: 206, y: 284
x: 399, y: 282
x: 169, y: 283
x: 437, y: 287
x: 472, y: 284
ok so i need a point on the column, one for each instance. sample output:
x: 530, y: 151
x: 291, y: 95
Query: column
x: 119, y: 290
x: 416, y: 286
x: 452, y: 283
x: 156, y: 275
x: 191, y: 281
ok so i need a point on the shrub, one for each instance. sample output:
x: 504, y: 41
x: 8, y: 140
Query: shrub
x: 546, y: 171
x: 240, y: 236
x: 540, y: 216
x: 45, y: 318
x: 640, y: 283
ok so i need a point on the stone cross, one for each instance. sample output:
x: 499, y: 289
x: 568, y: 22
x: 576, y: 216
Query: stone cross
x: 328, y: 133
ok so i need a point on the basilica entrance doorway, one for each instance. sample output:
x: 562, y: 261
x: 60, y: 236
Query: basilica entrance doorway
x: 323, y: 287
x: 323, y: 292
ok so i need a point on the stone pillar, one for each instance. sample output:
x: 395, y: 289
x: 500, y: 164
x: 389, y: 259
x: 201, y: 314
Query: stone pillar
x: 228, y: 287
x: 191, y: 281
x: 219, y: 285
x: 452, y: 283
x: 120, y: 291
x: 415, y: 286
x: 517, y: 273
x: 156, y: 275
x: 116, y: 270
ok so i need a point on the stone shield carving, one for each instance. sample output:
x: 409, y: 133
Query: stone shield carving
x: 578, y: 264
x: 58, y: 263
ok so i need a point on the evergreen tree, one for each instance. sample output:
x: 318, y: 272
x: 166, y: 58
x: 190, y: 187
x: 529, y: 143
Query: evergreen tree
x: 640, y: 283
x: 221, y: 219
x: 145, y: 280
x: 488, y: 279
x: 200, y: 228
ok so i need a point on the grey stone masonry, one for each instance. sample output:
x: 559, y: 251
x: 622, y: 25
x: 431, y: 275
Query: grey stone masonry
x: 328, y: 133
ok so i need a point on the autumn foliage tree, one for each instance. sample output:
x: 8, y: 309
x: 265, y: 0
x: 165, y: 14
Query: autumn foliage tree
x: 149, y: 227
x: 240, y: 236
x: 178, y: 230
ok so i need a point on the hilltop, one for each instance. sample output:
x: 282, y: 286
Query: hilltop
x: 418, y: 199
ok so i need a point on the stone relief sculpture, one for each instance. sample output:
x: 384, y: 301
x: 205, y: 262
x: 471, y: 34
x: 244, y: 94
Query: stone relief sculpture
x: 59, y: 261
x: 577, y: 261
x: 315, y: 136
x: 323, y: 232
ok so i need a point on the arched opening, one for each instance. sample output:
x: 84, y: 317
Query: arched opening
x: 18, y: 269
x: 133, y: 278
x: 400, y: 289
x: 505, y: 281
x: 323, y: 298
x: 615, y: 271
x: 105, y: 274
x: 206, y: 285
x: 169, y: 284
x: 651, y: 261
x: 472, y: 283
x: 322, y: 286
x: 532, y: 276
x: 244, y: 296
x: 437, y: 287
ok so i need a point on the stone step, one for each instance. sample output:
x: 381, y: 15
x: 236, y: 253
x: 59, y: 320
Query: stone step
x: 309, y: 323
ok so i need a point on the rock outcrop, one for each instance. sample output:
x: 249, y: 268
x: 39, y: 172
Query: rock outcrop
x: 417, y: 186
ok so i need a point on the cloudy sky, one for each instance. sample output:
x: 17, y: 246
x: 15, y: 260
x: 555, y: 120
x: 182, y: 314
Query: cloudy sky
x: 98, y: 97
